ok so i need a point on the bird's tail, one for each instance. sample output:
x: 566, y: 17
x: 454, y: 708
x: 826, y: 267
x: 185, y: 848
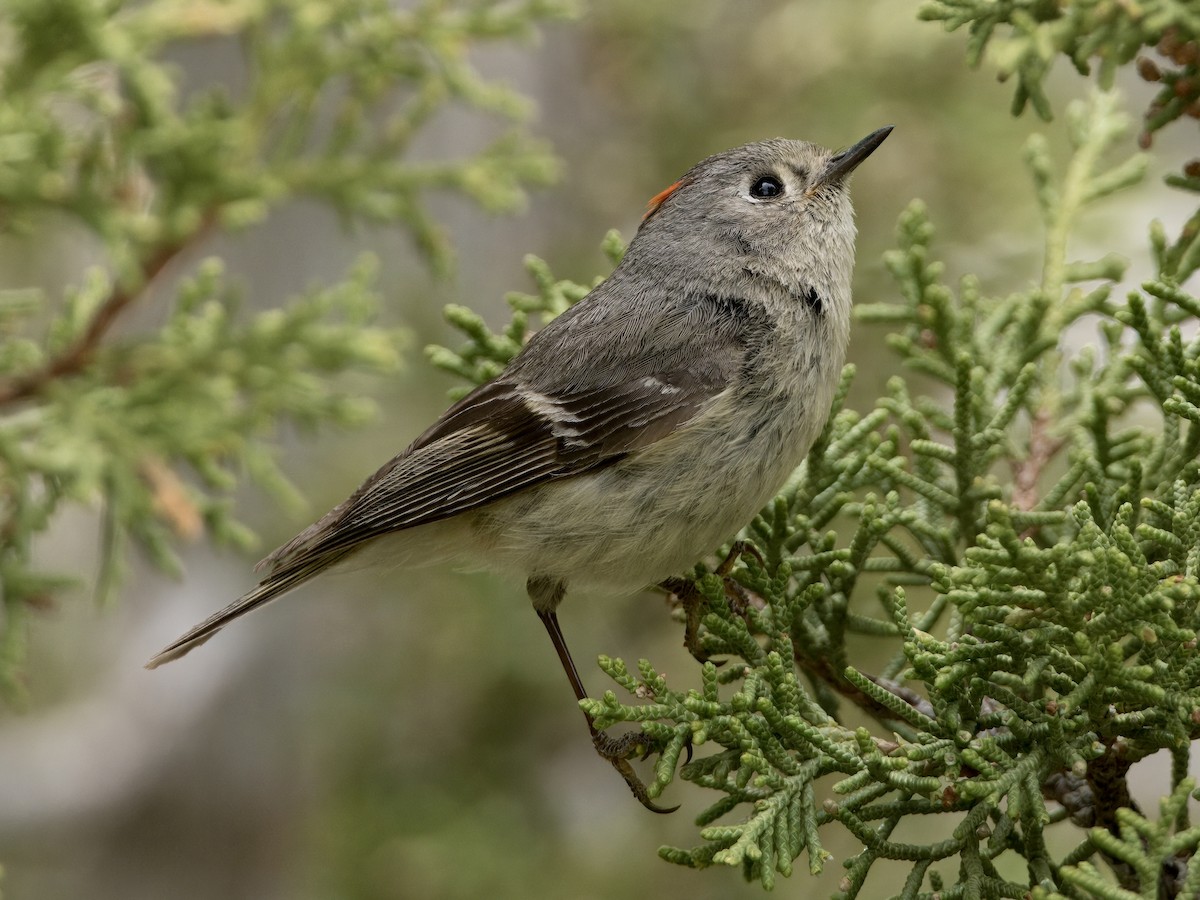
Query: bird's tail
x: 270, y: 588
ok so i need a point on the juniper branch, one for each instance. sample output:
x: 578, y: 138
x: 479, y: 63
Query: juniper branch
x: 80, y: 354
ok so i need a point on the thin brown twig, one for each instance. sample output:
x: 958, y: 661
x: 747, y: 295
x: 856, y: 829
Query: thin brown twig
x: 77, y: 356
x: 1027, y: 472
x: 823, y: 668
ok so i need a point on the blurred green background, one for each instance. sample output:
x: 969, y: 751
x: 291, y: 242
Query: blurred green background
x: 410, y: 734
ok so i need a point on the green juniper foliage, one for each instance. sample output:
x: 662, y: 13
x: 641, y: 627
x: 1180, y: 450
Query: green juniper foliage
x: 1023, y: 38
x: 1022, y: 533
x: 101, y: 135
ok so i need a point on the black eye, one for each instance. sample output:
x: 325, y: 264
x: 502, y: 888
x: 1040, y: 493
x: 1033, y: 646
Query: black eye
x: 766, y: 186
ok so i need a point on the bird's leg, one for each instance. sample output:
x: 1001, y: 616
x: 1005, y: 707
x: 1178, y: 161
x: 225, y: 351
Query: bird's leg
x: 616, y: 750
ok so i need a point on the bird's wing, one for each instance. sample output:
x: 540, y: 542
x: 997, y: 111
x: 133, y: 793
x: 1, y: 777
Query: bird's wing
x: 501, y: 439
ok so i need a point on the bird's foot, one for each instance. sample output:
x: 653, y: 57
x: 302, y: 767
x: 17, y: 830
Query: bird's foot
x: 620, y: 750
x: 740, y: 600
x: 736, y: 551
x: 691, y: 601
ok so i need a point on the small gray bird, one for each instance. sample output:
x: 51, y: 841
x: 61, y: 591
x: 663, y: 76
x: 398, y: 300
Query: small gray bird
x: 645, y: 425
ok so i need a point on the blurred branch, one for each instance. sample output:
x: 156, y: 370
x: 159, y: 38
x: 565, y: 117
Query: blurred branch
x: 80, y: 354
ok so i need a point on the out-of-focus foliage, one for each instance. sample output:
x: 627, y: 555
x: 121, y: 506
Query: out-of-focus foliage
x: 1023, y: 38
x: 1046, y: 509
x: 102, y: 132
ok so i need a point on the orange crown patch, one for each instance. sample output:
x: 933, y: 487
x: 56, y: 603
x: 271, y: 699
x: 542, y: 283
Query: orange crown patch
x: 658, y: 199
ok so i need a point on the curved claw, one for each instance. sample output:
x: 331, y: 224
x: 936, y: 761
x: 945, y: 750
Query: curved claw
x: 687, y: 745
x: 617, y: 752
x: 661, y: 810
x: 638, y: 787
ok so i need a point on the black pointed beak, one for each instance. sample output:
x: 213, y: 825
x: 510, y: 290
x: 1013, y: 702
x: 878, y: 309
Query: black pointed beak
x: 842, y: 164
